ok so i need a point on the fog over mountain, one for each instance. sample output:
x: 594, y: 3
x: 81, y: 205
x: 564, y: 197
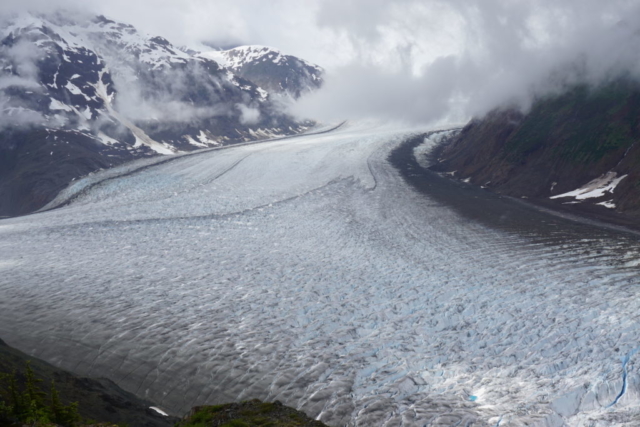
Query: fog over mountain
x: 475, y: 56
x: 415, y: 60
x: 80, y: 92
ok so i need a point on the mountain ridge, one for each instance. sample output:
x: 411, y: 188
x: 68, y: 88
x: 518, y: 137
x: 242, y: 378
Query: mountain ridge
x: 576, y: 151
x: 271, y: 69
x: 83, y: 93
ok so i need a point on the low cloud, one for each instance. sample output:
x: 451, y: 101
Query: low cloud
x: 17, y: 81
x: 248, y: 115
x: 14, y: 115
x: 177, y: 93
x: 358, y: 91
x: 498, y: 53
x: 18, y: 73
x: 418, y: 60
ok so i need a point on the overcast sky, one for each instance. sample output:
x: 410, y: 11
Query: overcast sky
x: 415, y: 59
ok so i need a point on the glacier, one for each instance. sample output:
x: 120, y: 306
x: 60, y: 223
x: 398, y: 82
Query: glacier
x: 307, y: 270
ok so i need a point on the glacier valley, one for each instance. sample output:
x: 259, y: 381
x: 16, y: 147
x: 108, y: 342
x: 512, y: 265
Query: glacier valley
x: 307, y: 270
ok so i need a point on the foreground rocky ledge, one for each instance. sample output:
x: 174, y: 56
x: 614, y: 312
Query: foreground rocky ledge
x: 101, y: 403
x: 248, y: 413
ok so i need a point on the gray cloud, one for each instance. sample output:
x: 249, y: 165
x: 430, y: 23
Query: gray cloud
x: 358, y: 91
x: 421, y: 60
x: 19, y: 72
x: 12, y: 114
x: 248, y: 115
x: 162, y: 97
x: 489, y: 53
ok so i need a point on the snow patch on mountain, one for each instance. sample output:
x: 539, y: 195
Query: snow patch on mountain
x: 599, y: 187
x: 113, y: 94
x: 141, y: 77
x: 270, y: 69
x: 236, y: 58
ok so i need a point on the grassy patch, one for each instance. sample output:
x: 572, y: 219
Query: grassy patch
x: 248, y: 414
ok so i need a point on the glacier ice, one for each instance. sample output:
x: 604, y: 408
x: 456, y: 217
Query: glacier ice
x: 306, y: 270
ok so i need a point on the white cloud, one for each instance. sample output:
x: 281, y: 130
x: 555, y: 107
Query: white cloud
x: 248, y: 115
x: 415, y: 59
x: 426, y: 61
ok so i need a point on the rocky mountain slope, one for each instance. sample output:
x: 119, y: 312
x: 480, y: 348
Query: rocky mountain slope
x: 81, y: 93
x: 577, y: 151
x: 101, y: 401
x: 98, y: 399
x: 271, y: 69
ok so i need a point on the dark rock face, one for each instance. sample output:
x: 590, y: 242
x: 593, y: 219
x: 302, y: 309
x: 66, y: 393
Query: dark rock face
x: 582, y: 139
x: 42, y: 162
x: 96, y: 93
x: 272, y: 70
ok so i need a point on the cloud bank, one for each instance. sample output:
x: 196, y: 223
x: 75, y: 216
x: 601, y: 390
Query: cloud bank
x: 417, y: 60
x: 476, y: 56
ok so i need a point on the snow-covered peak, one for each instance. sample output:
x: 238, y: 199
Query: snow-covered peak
x: 240, y: 56
x: 270, y: 69
x: 237, y: 57
x: 79, y: 72
x: 97, y: 34
x: 154, y: 50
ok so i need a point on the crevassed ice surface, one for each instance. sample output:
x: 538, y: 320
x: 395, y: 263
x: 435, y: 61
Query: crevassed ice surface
x: 307, y: 271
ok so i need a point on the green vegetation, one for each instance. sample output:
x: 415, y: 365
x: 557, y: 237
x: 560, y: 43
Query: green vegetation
x: 36, y: 394
x: 23, y: 402
x: 97, y: 399
x: 563, y: 142
x: 248, y: 414
x: 29, y: 404
x: 590, y: 123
